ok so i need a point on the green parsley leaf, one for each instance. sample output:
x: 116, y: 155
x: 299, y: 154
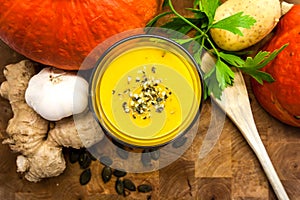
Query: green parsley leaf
x: 211, y: 84
x: 165, y: 3
x: 234, y: 22
x: 196, y: 3
x: 224, y: 74
x: 252, y: 66
x: 232, y: 59
x: 197, y: 55
x: 183, y: 41
x: 262, y: 58
x: 178, y: 25
x: 260, y: 76
x: 218, y: 78
x: 198, y: 14
x: 209, y: 7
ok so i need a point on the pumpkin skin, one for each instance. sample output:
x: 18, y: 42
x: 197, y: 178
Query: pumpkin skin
x: 61, y: 33
x: 281, y: 98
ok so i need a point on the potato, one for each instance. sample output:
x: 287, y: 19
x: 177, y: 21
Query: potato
x: 265, y: 12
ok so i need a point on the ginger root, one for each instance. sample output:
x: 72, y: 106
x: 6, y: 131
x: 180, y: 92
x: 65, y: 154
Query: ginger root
x: 39, y: 141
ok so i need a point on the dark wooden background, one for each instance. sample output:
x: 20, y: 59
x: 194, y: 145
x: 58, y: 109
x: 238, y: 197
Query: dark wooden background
x: 229, y: 171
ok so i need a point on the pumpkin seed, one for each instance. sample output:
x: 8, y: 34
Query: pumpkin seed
x: 91, y: 156
x: 84, y: 160
x: 126, y: 193
x: 144, y: 188
x: 122, y: 153
x: 105, y: 160
x: 106, y: 174
x: 128, y: 184
x: 155, y: 154
x: 119, y: 186
x: 85, y: 176
x: 74, y: 155
x: 119, y: 173
x: 179, y: 142
x: 146, y: 158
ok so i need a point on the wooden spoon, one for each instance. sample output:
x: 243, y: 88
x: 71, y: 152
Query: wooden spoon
x: 235, y: 103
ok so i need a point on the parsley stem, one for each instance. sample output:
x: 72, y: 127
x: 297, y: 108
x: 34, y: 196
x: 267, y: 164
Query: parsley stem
x: 185, y: 20
x: 214, y: 48
x: 195, y: 27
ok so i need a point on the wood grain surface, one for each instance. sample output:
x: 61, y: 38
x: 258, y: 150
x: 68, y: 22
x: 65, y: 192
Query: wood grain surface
x: 229, y: 171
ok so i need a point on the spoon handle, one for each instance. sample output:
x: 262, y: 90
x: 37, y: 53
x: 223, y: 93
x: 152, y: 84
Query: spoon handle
x: 235, y: 103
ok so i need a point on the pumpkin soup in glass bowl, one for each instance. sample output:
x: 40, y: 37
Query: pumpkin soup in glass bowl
x: 146, y: 91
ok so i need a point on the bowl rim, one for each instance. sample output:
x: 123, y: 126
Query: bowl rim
x: 118, y: 141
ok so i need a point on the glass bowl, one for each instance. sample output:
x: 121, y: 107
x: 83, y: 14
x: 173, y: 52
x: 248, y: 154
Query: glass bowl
x: 146, y: 91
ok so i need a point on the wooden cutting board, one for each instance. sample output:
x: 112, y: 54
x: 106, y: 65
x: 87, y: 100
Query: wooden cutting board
x: 229, y: 171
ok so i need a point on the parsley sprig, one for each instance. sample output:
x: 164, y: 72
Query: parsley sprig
x: 221, y: 75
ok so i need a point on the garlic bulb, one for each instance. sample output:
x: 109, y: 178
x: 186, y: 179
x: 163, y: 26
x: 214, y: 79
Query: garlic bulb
x: 55, y: 94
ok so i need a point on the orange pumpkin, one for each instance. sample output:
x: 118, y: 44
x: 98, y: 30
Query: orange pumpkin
x: 282, y: 97
x: 61, y: 33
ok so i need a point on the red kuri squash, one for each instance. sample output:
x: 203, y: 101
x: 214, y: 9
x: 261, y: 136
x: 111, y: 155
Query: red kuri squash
x: 61, y: 33
x: 282, y: 97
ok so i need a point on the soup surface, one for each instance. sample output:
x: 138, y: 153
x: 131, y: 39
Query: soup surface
x: 147, y: 96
